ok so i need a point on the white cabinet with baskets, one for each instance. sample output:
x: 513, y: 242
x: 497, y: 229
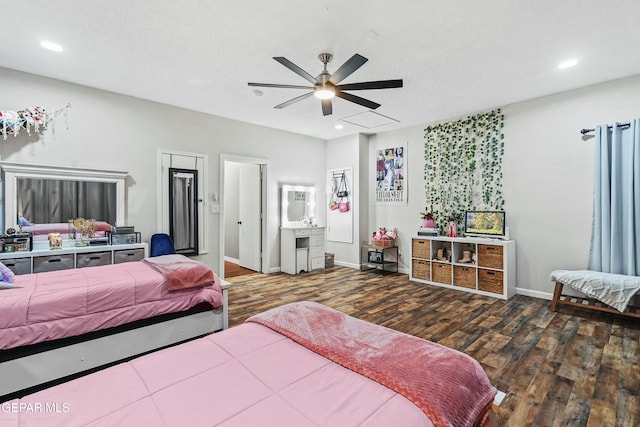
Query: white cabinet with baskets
x: 483, y: 266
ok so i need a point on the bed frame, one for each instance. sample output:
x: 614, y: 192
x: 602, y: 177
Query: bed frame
x: 25, y: 369
x: 589, y: 303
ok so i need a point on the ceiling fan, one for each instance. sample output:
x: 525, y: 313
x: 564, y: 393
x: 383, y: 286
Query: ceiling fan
x: 326, y: 86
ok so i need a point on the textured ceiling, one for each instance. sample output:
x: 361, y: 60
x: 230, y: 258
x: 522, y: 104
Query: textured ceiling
x: 456, y: 57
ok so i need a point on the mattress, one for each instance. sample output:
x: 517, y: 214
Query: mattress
x: 244, y: 376
x: 66, y: 303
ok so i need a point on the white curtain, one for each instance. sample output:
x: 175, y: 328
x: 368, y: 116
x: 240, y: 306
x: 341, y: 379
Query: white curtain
x: 615, y: 238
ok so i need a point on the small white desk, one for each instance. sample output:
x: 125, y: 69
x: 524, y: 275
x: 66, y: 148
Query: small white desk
x: 301, y: 249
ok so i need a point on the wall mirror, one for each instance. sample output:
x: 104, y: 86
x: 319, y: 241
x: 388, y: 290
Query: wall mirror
x: 44, y: 200
x: 183, y: 210
x: 51, y: 194
x: 298, y: 201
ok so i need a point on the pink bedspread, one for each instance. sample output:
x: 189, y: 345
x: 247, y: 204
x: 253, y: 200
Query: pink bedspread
x: 248, y: 375
x: 450, y: 387
x: 60, y: 304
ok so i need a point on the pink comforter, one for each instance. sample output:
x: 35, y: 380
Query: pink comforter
x: 60, y: 304
x: 450, y: 387
x: 248, y: 375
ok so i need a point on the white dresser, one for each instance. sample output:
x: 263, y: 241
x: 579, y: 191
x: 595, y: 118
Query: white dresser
x: 301, y: 249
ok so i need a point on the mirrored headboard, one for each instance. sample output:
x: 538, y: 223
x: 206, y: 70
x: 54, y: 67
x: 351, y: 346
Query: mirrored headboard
x: 298, y: 201
x: 98, y: 187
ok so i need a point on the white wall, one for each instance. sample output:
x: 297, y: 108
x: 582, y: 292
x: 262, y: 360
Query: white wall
x: 345, y: 153
x: 548, y: 178
x: 548, y: 181
x: 111, y: 131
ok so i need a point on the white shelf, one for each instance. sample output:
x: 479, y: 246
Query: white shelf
x: 492, y: 272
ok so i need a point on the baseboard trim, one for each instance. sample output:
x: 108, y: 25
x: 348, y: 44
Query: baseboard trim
x: 273, y: 270
x: 347, y: 264
x: 534, y: 294
x: 233, y: 260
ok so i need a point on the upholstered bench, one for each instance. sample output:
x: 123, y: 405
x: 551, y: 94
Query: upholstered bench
x: 612, y: 293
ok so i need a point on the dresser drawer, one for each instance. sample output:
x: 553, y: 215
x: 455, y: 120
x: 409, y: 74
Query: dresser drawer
x: 302, y: 232
x: 316, y: 251
x: 52, y: 263
x: 93, y: 259
x: 317, y: 262
x: 127, y: 255
x: 18, y: 265
x: 316, y: 240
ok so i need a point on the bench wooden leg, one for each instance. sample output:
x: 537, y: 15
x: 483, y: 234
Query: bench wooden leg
x: 556, y: 296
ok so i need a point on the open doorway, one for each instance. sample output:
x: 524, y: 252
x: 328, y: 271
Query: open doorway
x: 242, y: 219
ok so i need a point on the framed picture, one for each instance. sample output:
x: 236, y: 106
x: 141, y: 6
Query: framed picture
x: 391, y: 172
x: 375, y: 257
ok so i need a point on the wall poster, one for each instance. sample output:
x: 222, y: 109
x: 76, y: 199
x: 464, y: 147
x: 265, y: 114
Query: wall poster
x: 391, y: 171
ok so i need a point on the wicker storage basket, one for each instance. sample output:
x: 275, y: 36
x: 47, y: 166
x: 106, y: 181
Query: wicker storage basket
x: 386, y: 243
x: 421, y: 269
x: 420, y: 248
x: 464, y: 276
x: 491, y: 281
x: 441, y: 272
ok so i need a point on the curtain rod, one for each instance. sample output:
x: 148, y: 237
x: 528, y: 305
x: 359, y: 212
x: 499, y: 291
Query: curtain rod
x: 621, y: 125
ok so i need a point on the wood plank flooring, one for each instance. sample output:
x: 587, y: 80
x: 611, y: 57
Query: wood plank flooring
x: 233, y: 270
x: 571, y: 368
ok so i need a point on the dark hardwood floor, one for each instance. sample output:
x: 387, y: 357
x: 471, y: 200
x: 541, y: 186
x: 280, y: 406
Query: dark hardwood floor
x: 571, y: 368
x: 233, y: 270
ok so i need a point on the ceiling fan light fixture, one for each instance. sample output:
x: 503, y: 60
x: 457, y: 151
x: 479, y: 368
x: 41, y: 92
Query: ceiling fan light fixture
x: 324, y: 92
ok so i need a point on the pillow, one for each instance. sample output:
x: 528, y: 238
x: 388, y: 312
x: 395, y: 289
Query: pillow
x: 22, y: 221
x: 6, y: 276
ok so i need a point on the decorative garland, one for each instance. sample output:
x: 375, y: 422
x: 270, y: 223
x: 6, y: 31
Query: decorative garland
x: 13, y: 122
x: 463, y: 166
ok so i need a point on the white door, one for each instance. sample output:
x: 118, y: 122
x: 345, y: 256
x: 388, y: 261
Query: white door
x: 249, y: 233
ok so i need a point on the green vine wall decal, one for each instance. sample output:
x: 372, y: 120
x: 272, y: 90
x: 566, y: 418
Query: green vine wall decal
x: 463, y: 166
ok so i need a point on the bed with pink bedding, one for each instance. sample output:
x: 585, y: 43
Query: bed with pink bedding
x: 302, y: 364
x: 45, y: 309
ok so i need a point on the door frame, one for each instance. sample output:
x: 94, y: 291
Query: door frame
x: 265, y: 255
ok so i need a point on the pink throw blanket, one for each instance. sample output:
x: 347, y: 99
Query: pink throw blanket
x: 181, y: 272
x: 450, y: 387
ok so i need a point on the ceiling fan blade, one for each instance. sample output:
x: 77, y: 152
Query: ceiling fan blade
x: 281, y: 86
x: 379, y: 84
x: 293, y: 67
x: 358, y: 100
x: 346, y: 69
x: 327, y: 108
x: 294, y: 100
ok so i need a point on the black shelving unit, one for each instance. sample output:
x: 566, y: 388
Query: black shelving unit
x: 384, y: 260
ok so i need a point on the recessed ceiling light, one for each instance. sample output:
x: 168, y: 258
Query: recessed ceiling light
x: 568, y: 63
x: 51, y: 46
x: 339, y: 126
x: 258, y: 92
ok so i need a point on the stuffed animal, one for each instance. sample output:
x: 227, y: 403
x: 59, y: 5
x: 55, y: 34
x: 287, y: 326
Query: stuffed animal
x: 383, y: 234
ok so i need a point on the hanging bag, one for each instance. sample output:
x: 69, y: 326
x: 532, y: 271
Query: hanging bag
x: 343, y: 206
x: 342, y: 188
